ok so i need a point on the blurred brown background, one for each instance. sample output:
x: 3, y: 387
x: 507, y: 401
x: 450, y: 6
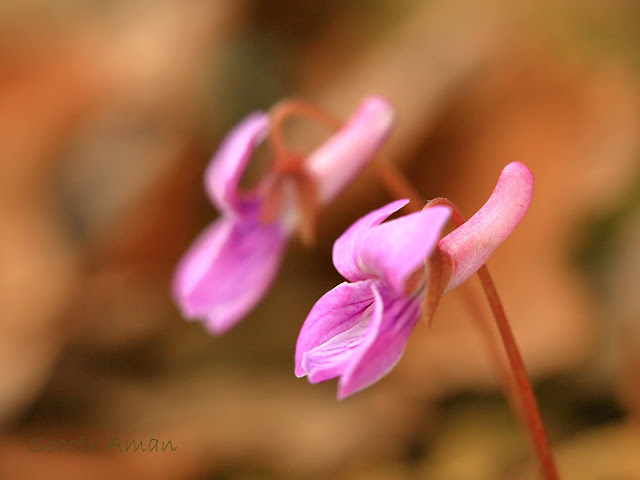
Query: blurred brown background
x: 109, y: 112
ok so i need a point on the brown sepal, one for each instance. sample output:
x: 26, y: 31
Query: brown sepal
x: 440, y: 271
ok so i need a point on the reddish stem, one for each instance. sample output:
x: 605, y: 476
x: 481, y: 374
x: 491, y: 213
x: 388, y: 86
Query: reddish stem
x: 396, y: 184
x: 527, y: 400
x: 498, y: 356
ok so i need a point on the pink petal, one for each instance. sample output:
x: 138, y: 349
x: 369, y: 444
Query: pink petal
x: 339, y: 314
x: 225, y: 170
x: 347, y: 246
x: 471, y: 245
x: 395, y: 249
x: 335, y: 163
x: 330, y: 359
x: 394, y: 318
x: 227, y: 271
x: 195, y: 262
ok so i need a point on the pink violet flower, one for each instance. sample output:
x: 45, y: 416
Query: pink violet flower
x: 231, y: 265
x: 358, y: 330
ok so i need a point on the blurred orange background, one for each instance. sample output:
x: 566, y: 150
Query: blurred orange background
x: 109, y: 113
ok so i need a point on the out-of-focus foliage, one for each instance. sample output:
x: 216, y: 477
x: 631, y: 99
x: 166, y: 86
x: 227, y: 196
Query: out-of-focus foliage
x: 109, y: 112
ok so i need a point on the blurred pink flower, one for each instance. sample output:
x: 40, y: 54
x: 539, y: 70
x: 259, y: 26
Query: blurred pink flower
x: 231, y: 265
x: 358, y: 330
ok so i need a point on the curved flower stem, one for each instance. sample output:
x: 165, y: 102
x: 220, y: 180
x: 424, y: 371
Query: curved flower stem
x: 527, y: 400
x: 396, y: 184
x: 280, y: 112
x: 289, y: 164
x: 391, y: 178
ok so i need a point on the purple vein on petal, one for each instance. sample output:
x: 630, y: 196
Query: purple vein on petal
x: 337, y: 312
x: 394, y: 317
